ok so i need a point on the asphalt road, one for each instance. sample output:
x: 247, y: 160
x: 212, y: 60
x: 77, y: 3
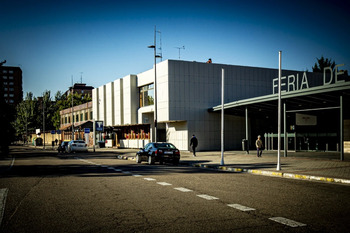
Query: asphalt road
x: 99, y: 193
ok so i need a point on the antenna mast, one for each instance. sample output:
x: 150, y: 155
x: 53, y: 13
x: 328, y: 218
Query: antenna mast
x: 160, y: 53
x: 179, y: 48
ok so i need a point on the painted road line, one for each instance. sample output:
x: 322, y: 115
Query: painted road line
x: 149, y: 179
x: 117, y: 170
x: 126, y: 172
x: 240, y: 207
x: 207, y: 197
x: 163, y: 183
x: 104, y: 166
x: 111, y: 168
x: 137, y: 175
x: 287, y: 222
x: 3, y: 196
x: 183, y: 189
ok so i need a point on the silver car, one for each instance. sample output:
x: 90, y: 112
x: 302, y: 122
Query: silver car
x: 76, y: 146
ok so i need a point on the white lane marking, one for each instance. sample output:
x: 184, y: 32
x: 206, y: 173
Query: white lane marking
x: 111, y: 168
x: 207, y: 197
x: 104, y: 166
x: 137, y: 175
x: 288, y: 222
x: 117, y: 170
x: 126, y: 172
x: 163, y: 183
x: 3, y: 196
x: 240, y: 207
x: 149, y: 179
x: 183, y: 189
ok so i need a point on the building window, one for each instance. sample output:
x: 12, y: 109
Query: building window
x: 69, y: 120
x: 11, y: 95
x: 4, y: 77
x: 11, y: 101
x: 81, y: 117
x: 11, y: 71
x: 86, y: 116
x: 65, y: 120
x: 77, y: 118
x: 10, y: 83
x: 5, y: 83
x: 12, y: 89
x: 11, y: 77
x: 5, y: 95
x: 91, y: 115
x: 146, y: 95
x: 5, y: 71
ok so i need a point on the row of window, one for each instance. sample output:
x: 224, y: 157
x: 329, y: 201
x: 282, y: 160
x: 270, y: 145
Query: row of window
x: 9, y: 101
x: 9, y: 89
x: 9, y: 77
x: 5, y: 71
x: 9, y: 95
x: 8, y: 83
x: 77, y: 118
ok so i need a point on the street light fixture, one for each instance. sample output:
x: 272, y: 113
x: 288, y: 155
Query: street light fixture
x: 155, y: 81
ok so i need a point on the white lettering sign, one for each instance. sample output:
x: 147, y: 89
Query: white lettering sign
x: 291, y: 82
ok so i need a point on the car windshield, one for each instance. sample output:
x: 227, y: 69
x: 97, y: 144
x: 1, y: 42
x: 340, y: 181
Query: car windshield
x: 79, y: 141
x: 164, y: 145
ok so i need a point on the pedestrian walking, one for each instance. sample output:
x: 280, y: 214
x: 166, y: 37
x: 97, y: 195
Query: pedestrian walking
x: 194, y: 144
x: 259, y: 146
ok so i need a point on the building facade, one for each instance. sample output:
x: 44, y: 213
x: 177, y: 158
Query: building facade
x: 11, y: 84
x: 187, y: 93
x: 81, y: 118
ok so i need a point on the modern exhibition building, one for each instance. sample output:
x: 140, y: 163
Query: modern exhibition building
x: 188, y: 101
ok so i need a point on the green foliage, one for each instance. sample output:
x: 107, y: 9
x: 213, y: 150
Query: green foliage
x: 31, y: 110
x: 322, y: 63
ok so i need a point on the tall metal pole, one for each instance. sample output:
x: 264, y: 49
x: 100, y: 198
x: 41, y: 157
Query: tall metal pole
x: 285, y: 129
x: 222, y: 115
x: 341, y: 135
x: 72, y: 114
x: 94, y: 134
x: 44, y: 121
x: 279, y: 111
x: 246, y: 129
x: 155, y: 83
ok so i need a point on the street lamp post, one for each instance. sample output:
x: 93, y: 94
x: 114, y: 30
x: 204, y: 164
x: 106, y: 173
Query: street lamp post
x: 154, y: 47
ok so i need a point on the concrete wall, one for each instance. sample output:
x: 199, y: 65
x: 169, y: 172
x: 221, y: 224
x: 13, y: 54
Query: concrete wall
x: 118, y: 102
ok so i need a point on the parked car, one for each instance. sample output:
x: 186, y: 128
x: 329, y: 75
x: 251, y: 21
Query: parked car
x: 62, y: 148
x: 158, y: 152
x: 76, y: 146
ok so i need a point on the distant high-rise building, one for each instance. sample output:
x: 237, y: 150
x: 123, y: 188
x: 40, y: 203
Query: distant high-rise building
x: 80, y: 88
x: 11, y: 84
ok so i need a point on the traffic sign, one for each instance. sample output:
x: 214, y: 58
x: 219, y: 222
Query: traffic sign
x: 53, y: 132
x: 99, y: 126
x: 87, y: 130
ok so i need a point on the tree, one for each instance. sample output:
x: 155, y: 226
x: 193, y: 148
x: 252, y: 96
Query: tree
x: 26, y: 119
x: 322, y: 63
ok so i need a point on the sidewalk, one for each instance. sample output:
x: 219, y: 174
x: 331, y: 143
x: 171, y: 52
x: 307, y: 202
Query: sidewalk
x: 312, y: 166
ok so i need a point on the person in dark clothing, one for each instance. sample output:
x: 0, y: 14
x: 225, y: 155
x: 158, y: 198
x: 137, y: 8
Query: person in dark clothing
x: 194, y: 144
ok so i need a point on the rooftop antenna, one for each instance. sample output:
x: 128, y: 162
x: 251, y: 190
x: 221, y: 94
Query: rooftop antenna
x: 81, y: 77
x: 179, y: 48
x: 160, y: 53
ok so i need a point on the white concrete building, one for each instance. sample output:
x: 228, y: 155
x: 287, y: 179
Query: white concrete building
x: 187, y: 93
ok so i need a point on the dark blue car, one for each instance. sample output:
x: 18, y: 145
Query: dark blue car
x: 158, y: 152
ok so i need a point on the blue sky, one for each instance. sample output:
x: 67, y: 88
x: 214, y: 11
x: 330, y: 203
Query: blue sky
x: 104, y: 40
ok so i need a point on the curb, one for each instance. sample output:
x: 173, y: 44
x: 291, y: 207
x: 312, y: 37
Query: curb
x: 258, y: 172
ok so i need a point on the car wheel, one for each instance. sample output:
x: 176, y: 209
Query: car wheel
x: 150, y: 159
x: 138, y: 158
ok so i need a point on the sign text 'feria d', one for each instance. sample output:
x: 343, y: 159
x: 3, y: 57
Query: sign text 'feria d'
x: 296, y: 82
